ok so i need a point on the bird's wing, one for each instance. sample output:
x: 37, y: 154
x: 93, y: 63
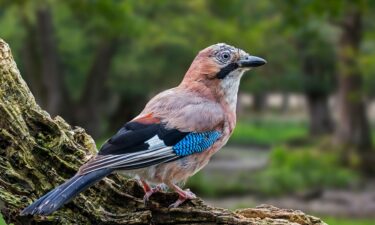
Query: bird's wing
x: 146, y: 142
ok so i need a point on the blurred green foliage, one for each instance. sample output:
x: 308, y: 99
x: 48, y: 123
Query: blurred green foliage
x: 267, y: 131
x: 155, y: 44
x: 156, y: 41
x: 301, y: 169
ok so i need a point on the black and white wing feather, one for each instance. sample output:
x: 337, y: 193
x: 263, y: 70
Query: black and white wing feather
x: 138, y: 145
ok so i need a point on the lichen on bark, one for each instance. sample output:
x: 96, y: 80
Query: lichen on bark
x: 38, y: 152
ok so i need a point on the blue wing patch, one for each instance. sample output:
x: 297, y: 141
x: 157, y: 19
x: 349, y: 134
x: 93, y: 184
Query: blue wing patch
x: 196, y: 142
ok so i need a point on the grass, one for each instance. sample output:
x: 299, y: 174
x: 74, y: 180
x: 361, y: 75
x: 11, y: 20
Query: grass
x: 267, y: 131
x: 348, y: 221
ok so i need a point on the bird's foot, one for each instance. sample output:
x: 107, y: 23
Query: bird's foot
x: 151, y: 191
x: 183, y: 196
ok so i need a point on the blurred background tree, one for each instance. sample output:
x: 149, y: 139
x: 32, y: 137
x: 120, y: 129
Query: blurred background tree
x: 96, y: 63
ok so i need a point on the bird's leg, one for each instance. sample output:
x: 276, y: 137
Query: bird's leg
x: 149, y: 190
x: 183, y: 195
x: 146, y: 186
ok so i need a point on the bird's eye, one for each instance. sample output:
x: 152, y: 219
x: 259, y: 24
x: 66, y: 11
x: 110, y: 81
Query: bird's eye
x: 224, y: 57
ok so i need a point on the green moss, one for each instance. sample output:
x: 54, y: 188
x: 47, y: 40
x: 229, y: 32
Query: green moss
x: 2, y: 222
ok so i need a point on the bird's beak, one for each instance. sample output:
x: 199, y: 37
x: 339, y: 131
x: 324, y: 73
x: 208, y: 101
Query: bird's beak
x: 250, y: 61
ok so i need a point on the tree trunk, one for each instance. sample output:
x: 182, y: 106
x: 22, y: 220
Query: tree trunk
x: 319, y: 115
x: 259, y: 102
x: 316, y: 83
x: 30, y: 60
x: 51, y: 77
x: 353, y: 130
x: 90, y: 107
x: 38, y: 152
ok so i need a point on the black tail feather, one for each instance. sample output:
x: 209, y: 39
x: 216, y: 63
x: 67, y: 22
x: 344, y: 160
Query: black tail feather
x: 62, y: 194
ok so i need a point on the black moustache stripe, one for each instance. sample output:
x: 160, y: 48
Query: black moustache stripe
x: 226, y: 70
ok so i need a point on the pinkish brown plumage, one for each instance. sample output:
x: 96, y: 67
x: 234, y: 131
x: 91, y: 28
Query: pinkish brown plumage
x: 174, y: 136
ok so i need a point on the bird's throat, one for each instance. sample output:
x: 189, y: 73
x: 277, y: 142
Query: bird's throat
x: 230, y: 86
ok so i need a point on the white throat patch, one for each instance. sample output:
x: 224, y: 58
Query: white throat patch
x: 230, y: 85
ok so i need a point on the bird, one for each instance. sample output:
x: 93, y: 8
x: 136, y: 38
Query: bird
x: 173, y: 137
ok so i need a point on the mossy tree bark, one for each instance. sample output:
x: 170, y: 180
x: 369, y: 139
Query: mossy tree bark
x: 38, y: 152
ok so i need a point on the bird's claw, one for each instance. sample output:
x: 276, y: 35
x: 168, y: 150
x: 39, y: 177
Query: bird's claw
x: 185, y: 195
x: 189, y: 194
x: 150, y: 192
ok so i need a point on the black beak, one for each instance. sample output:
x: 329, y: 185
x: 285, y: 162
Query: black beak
x: 251, y: 61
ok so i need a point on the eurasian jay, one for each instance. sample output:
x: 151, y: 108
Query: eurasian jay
x: 174, y: 136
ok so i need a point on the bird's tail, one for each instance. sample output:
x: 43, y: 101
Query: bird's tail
x: 62, y: 194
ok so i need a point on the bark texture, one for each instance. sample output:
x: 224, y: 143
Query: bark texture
x: 352, y: 127
x: 38, y: 152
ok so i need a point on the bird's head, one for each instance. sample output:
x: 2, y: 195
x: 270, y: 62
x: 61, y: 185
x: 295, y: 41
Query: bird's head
x: 220, y: 68
x: 220, y: 61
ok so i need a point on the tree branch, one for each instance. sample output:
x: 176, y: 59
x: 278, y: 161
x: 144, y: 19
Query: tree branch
x: 38, y: 152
